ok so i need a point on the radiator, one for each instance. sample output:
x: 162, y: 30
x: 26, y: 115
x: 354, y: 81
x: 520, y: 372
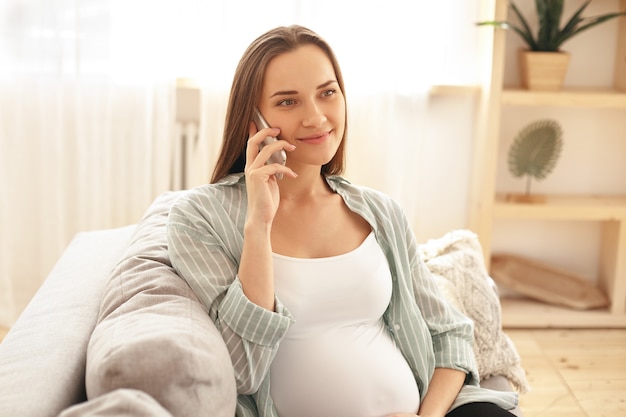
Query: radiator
x: 186, y: 154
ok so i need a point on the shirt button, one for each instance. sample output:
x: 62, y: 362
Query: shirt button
x: 396, y: 327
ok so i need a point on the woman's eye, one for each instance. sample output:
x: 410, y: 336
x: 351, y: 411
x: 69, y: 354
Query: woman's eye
x: 329, y: 92
x: 287, y: 102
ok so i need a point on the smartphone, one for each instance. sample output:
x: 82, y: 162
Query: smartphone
x: 279, y: 157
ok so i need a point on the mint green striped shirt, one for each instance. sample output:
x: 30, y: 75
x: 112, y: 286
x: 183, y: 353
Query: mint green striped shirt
x: 205, y: 238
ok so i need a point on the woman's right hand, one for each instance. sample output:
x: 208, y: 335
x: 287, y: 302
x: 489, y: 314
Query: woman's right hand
x: 256, y: 266
x: 261, y: 181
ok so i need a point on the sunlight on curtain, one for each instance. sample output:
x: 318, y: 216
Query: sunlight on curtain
x: 83, y: 148
x: 87, y: 105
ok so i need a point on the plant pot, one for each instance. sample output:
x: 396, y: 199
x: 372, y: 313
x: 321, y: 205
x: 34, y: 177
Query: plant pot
x: 544, y: 71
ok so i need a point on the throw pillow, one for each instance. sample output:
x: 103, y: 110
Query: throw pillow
x: 456, y: 261
x: 154, y: 336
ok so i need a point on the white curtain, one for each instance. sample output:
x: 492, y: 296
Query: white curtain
x: 87, y: 106
x: 84, y: 143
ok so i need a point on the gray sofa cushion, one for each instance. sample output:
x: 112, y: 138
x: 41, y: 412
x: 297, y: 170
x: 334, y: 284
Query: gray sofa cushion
x: 154, y: 336
x: 121, y: 402
x: 42, y: 359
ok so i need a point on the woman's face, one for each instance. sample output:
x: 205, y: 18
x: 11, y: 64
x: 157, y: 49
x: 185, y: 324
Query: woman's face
x: 301, y: 96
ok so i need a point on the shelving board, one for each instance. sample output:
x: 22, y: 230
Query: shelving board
x: 562, y: 207
x: 568, y: 97
x: 526, y: 313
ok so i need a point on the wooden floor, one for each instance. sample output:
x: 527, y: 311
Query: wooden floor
x: 573, y: 373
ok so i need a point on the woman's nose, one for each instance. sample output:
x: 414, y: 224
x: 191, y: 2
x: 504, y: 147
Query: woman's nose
x: 314, y: 116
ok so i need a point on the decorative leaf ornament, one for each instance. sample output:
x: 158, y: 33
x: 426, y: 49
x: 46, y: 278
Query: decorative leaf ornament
x: 535, y: 151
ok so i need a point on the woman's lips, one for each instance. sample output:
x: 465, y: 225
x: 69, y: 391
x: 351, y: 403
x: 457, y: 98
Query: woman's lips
x: 315, y: 139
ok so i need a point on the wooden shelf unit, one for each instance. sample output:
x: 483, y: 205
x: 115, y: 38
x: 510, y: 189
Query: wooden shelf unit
x: 487, y: 205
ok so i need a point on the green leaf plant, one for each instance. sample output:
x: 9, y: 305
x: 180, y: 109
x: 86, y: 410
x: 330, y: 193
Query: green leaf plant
x: 535, y: 150
x: 550, y: 36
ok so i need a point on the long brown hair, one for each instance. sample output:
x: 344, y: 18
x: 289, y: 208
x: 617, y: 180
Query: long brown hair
x: 246, y: 90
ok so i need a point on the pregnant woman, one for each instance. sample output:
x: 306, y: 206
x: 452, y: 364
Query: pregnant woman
x: 316, y: 284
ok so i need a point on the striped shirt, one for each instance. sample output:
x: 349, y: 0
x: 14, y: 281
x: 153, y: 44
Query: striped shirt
x: 205, y: 238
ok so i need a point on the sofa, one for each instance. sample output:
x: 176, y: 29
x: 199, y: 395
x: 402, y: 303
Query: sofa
x: 114, y: 323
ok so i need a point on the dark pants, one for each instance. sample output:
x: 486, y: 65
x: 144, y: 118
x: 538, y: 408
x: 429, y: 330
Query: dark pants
x: 479, y: 410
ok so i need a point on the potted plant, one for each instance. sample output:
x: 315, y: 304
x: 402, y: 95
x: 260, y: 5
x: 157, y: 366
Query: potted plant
x: 544, y: 64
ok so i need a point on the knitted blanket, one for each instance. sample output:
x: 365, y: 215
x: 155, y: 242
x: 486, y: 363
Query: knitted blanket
x: 456, y: 261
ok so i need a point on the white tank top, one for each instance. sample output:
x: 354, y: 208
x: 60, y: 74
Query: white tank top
x: 337, y: 359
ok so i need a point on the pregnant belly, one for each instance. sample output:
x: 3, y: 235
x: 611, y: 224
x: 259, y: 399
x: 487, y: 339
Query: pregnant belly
x: 357, y: 373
